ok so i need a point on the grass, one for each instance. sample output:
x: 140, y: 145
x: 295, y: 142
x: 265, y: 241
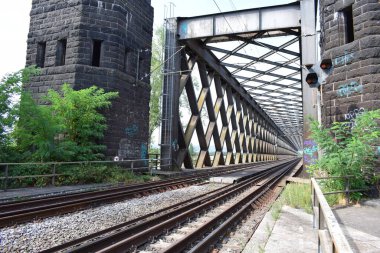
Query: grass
x: 294, y: 195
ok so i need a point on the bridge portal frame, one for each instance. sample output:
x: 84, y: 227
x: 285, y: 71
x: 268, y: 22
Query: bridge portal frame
x: 248, y: 133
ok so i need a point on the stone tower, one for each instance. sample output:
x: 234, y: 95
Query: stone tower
x: 350, y: 37
x: 104, y: 43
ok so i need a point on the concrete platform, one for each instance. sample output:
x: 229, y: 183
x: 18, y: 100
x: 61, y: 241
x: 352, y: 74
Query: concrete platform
x: 293, y: 231
x: 13, y: 194
x: 361, y: 225
x: 238, y: 176
x: 241, y: 175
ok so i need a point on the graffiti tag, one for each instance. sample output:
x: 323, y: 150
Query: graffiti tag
x: 344, y: 59
x: 351, y: 116
x: 349, y: 88
x: 144, y: 153
x: 175, y: 145
x: 310, y: 152
x: 131, y: 130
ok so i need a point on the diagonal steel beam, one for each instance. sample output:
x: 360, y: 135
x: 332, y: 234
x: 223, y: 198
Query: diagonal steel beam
x: 241, y: 46
x: 282, y: 103
x: 266, y: 55
x: 290, y: 78
x: 220, y: 50
x: 280, y: 48
x: 202, y: 51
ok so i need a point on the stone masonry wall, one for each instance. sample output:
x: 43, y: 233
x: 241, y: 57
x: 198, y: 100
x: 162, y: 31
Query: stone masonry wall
x: 354, y: 85
x: 125, y: 29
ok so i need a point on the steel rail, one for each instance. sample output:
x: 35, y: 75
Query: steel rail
x: 170, y: 211
x: 132, y: 237
x: 211, y: 239
x: 23, y: 211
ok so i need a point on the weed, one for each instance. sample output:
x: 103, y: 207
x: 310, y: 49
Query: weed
x: 294, y: 195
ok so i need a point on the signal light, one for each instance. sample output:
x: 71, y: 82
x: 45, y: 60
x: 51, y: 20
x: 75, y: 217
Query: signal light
x: 326, y: 64
x: 318, y: 73
x: 312, y: 79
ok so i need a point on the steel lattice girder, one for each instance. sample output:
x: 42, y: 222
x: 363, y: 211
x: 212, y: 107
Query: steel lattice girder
x: 258, y: 101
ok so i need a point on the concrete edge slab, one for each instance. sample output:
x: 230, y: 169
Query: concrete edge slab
x: 260, y: 237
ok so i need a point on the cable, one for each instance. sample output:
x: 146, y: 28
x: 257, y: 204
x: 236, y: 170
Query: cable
x: 158, y: 67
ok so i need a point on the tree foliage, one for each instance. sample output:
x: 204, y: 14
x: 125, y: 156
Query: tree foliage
x: 79, y: 117
x: 68, y: 127
x: 156, y: 80
x: 347, y: 151
x: 10, y: 90
x: 36, y: 130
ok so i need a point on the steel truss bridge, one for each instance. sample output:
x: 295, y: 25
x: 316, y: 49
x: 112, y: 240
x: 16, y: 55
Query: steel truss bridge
x: 240, y: 76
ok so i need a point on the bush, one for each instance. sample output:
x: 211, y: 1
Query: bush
x: 73, y: 175
x: 68, y: 129
x: 347, y: 151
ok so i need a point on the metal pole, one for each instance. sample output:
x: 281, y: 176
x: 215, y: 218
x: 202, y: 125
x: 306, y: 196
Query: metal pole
x: 53, y: 177
x: 347, y: 193
x: 138, y: 66
x: 6, y: 177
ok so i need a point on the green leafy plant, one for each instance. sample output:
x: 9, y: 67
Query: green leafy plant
x: 67, y: 129
x: 156, y: 80
x: 347, y: 151
x: 36, y: 130
x: 10, y: 90
x: 78, y: 113
x: 72, y: 175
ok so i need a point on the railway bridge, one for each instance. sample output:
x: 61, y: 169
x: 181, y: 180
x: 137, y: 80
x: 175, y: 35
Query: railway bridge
x: 253, y: 78
x: 238, y: 86
x: 252, y: 100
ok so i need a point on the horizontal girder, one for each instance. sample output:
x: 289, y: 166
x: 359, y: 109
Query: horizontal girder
x: 274, y: 19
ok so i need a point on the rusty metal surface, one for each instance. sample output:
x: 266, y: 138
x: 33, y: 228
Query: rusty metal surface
x: 126, y: 240
x: 21, y: 211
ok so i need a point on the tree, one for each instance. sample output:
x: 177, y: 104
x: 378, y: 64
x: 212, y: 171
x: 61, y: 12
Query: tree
x: 10, y: 90
x: 36, y: 132
x: 78, y: 114
x: 156, y: 80
x: 67, y: 129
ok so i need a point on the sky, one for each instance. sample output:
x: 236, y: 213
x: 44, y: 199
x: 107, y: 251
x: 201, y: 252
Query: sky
x: 14, y: 22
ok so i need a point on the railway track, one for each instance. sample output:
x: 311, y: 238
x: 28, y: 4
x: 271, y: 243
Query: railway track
x: 204, y: 219
x: 22, y: 211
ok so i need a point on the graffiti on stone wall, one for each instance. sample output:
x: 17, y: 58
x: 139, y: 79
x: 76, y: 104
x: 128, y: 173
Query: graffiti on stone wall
x: 310, y: 152
x: 175, y: 146
x: 346, y: 90
x: 351, y: 116
x: 144, y: 153
x: 132, y: 130
x: 344, y: 59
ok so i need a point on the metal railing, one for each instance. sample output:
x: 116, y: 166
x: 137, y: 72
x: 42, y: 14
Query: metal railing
x: 153, y: 162
x: 347, y: 186
x: 330, y: 235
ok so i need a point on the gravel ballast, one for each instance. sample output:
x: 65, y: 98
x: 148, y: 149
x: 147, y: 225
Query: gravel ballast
x: 49, y: 232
